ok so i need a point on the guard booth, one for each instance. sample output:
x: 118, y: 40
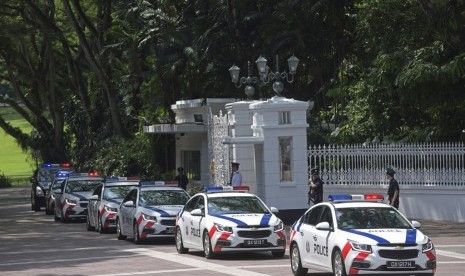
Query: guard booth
x: 267, y: 137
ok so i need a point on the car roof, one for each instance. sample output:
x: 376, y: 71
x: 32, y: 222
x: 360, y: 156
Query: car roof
x: 228, y: 194
x: 359, y: 204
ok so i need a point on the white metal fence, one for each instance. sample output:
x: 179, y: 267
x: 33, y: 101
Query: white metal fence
x: 422, y: 164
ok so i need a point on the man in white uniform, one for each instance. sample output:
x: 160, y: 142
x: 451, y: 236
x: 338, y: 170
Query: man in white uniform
x: 236, y: 177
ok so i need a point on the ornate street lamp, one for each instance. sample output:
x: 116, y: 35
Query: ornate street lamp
x: 265, y: 76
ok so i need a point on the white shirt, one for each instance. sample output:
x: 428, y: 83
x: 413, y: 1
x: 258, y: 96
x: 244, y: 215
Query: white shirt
x: 236, y: 179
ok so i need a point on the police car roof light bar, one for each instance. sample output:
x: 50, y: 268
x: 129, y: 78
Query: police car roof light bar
x: 367, y: 197
x: 120, y: 178
x: 50, y: 165
x: 62, y: 174
x: 227, y: 188
x: 83, y: 174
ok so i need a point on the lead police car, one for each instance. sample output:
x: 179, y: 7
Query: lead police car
x: 355, y: 234
x: 229, y: 221
x: 149, y: 211
x: 77, y: 189
x: 105, y: 201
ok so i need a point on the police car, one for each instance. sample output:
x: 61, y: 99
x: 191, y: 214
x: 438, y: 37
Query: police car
x: 149, y: 211
x: 41, y: 181
x: 358, y: 234
x: 219, y: 221
x: 55, y: 189
x: 76, y: 190
x: 105, y: 201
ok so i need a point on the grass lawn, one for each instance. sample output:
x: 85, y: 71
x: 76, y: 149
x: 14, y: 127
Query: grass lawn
x: 14, y: 163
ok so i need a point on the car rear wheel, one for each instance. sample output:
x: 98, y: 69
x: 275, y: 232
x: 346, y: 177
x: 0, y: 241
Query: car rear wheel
x: 119, y: 234
x: 137, y: 239
x: 179, y: 244
x: 296, y: 262
x: 339, y: 268
x: 55, y: 216
x: 207, y: 246
x: 88, y: 226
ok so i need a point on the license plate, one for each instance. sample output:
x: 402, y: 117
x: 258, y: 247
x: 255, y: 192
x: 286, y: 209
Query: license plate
x: 400, y: 264
x: 255, y: 243
x: 170, y: 230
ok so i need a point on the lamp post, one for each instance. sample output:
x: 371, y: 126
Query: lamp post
x: 264, y: 75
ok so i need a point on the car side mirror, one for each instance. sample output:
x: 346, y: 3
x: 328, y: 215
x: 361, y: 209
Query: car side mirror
x: 94, y: 197
x: 324, y: 226
x: 129, y: 204
x: 274, y: 210
x: 197, y: 212
x: 416, y: 224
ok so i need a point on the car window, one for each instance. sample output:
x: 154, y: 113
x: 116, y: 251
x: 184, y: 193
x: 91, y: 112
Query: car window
x: 370, y: 218
x: 191, y: 204
x: 200, y: 204
x: 116, y: 193
x: 57, y: 184
x: 131, y: 196
x: 163, y: 197
x: 98, y: 190
x: 235, y: 205
x: 326, y: 216
x: 312, y: 217
x: 76, y: 186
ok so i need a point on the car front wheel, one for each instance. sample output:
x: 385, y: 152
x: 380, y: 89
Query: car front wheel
x: 88, y: 226
x: 179, y: 244
x: 137, y: 239
x: 119, y: 234
x: 339, y: 268
x: 207, y: 246
x: 296, y: 262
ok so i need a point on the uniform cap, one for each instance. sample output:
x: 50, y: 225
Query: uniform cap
x: 235, y: 163
x: 180, y: 169
x: 315, y: 171
x: 390, y: 171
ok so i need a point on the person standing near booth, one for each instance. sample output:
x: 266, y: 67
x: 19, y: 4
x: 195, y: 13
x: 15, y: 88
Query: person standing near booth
x: 393, y: 191
x: 315, y: 194
x: 236, y: 177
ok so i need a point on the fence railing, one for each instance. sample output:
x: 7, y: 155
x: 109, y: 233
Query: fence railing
x: 421, y: 164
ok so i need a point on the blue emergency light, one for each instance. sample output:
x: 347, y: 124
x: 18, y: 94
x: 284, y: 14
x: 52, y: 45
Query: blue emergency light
x: 50, y: 165
x: 62, y: 174
x: 212, y: 189
x: 367, y: 197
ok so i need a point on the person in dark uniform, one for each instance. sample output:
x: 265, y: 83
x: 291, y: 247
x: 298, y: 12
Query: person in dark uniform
x: 182, y: 178
x: 393, y: 191
x: 315, y: 194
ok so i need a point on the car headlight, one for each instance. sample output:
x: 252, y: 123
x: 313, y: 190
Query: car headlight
x: 222, y: 228
x: 428, y: 246
x: 110, y: 209
x: 279, y: 226
x: 39, y: 191
x: 360, y: 247
x: 148, y: 217
x: 70, y: 201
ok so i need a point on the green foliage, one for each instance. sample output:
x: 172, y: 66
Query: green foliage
x: 123, y: 157
x: 5, y: 182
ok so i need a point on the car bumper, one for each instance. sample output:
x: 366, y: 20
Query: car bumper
x: 232, y: 243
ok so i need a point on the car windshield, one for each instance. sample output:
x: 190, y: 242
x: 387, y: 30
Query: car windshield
x: 56, y: 184
x: 370, y: 218
x: 49, y: 174
x: 235, y: 205
x: 117, y: 193
x: 74, y: 186
x: 163, y: 197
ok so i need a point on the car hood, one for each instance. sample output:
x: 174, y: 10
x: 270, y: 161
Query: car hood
x: 82, y: 196
x: 384, y: 236
x: 162, y: 210
x: 246, y: 220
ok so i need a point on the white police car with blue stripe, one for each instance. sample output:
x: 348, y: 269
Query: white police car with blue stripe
x: 219, y: 221
x: 149, y: 211
x: 359, y: 235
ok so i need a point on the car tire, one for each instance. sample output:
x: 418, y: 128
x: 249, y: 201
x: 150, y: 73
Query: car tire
x: 119, y: 233
x: 47, y: 210
x: 88, y: 226
x: 63, y: 219
x: 278, y: 254
x: 34, y: 206
x: 55, y: 215
x: 137, y: 239
x: 339, y: 268
x: 100, y: 228
x: 296, y: 262
x: 207, y: 246
x: 179, y: 244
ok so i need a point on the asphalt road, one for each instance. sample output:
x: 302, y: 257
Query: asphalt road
x: 32, y: 243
